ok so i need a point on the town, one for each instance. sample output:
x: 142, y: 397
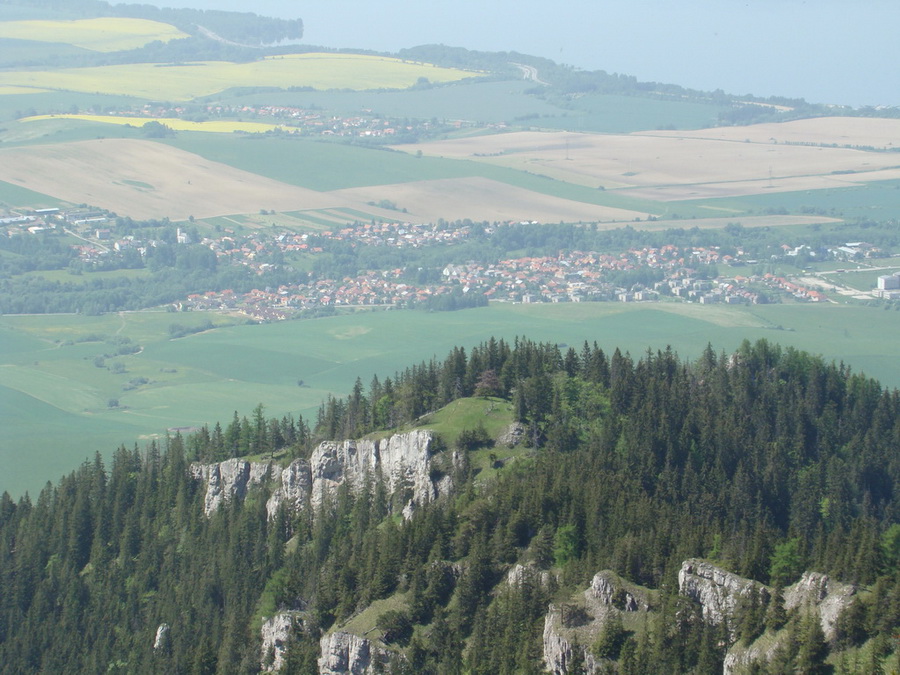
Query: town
x: 669, y: 273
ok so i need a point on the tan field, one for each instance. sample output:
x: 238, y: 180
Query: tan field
x: 144, y: 179
x: 113, y: 174
x: 676, y: 165
x: 484, y: 199
x: 862, y: 132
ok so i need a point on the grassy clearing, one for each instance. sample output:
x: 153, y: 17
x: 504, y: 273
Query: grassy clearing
x: 363, y: 624
x: 214, y: 126
x: 206, y: 376
x: 107, y: 34
x: 184, y: 82
x: 494, y: 414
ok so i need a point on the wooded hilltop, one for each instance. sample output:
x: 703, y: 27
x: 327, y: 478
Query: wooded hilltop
x: 639, y: 480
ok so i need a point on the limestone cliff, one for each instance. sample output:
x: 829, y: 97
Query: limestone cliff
x: 346, y: 654
x: 276, y: 634
x: 718, y: 591
x: 229, y: 480
x: 405, y: 462
x: 294, y: 485
x: 817, y: 592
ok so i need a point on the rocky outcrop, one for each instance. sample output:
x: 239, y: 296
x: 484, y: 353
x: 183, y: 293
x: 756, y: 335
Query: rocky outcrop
x: 405, y: 463
x: 519, y: 575
x: 161, y: 641
x: 229, y: 480
x: 609, y: 589
x: 740, y: 658
x: 718, y: 591
x: 345, y: 654
x: 295, y: 484
x: 571, y: 628
x: 817, y: 592
x: 514, y: 434
x: 562, y: 646
x: 276, y: 635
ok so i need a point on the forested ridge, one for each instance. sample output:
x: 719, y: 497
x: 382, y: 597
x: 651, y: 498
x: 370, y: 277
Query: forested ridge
x: 767, y: 462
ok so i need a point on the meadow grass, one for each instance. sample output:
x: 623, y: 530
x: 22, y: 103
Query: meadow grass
x: 106, y: 34
x: 188, y: 81
x: 494, y: 414
x: 204, y: 377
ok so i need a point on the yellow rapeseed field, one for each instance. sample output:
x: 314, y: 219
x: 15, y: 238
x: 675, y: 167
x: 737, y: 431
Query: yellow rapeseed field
x: 215, y: 126
x: 107, y: 34
x: 187, y: 81
x: 20, y: 90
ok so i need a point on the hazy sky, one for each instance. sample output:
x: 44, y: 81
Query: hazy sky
x: 826, y: 51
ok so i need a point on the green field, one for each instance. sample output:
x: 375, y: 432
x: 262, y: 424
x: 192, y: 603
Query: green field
x: 55, y: 409
x: 16, y: 196
x: 495, y: 102
x: 608, y: 113
x: 879, y: 200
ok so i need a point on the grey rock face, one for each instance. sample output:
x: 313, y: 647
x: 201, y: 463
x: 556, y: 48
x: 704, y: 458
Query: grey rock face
x: 403, y: 462
x: 518, y: 575
x: 296, y: 484
x: 229, y: 480
x: 717, y: 590
x: 608, y: 589
x: 347, y: 654
x: 817, y: 592
x: 564, y: 628
x: 161, y: 641
x: 276, y: 634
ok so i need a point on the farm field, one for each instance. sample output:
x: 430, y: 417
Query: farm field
x: 671, y: 167
x: 108, y: 34
x: 113, y: 173
x: 470, y: 101
x: 174, y: 123
x: 870, y: 201
x: 485, y: 199
x: 144, y: 179
x: 58, y: 398
x: 857, y: 132
x: 184, y: 82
